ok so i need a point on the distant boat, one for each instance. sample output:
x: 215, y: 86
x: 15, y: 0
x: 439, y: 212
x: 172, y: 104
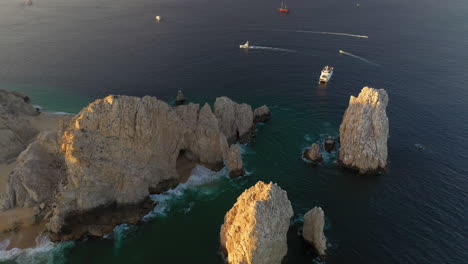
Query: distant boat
x: 341, y: 52
x: 326, y: 75
x: 244, y: 46
x: 158, y: 18
x: 283, y: 8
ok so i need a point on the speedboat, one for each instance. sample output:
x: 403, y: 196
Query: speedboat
x: 341, y: 52
x: 158, y: 18
x: 244, y: 46
x: 326, y: 75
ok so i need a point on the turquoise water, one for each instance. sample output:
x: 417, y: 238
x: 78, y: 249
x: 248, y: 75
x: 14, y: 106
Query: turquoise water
x: 66, y: 54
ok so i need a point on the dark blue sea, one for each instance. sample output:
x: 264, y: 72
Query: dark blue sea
x: 65, y: 54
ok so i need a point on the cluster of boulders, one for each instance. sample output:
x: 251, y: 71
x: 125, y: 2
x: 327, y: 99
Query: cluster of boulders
x: 255, y: 229
x: 116, y: 152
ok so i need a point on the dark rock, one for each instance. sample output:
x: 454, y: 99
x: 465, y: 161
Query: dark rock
x: 329, y: 144
x: 180, y: 99
x: 262, y: 114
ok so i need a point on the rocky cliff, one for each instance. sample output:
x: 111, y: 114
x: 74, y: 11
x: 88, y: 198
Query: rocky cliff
x: 103, y: 162
x: 254, y: 230
x: 364, y: 132
x: 16, y: 131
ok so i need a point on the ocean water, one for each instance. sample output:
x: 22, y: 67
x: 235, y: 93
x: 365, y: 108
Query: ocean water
x: 64, y: 54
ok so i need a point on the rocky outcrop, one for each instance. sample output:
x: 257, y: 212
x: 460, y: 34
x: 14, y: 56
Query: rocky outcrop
x: 254, y: 230
x: 313, y: 153
x: 16, y: 131
x: 234, y: 162
x: 103, y: 162
x: 262, y: 114
x: 235, y: 120
x: 37, y: 175
x: 364, y: 132
x: 329, y: 144
x: 314, y: 222
x: 180, y: 99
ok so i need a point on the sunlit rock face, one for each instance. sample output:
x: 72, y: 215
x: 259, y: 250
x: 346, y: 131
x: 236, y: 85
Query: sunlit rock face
x: 254, y: 230
x: 120, y: 148
x: 234, y: 162
x: 314, y: 222
x: 364, y: 132
x: 16, y: 131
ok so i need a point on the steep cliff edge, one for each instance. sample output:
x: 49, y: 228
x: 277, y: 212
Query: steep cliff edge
x: 254, y: 230
x: 364, y: 132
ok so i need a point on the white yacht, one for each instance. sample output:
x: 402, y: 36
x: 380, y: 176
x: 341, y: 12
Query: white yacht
x: 326, y: 75
x: 244, y: 46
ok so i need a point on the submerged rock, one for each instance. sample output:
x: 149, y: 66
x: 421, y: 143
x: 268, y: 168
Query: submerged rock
x: 314, y: 222
x: 364, y: 132
x: 262, y: 114
x: 234, y: 162
x: 254, y: 230
x: 180, y: 99
x: 313, y: 153
x: 329, y: 144
x: 235, y: 120
x: 16, y: 131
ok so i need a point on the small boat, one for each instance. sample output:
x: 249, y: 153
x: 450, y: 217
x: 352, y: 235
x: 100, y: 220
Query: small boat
x: 158, y: 18
x: 326, y: 75
x: 283, y: 8
x: 244, y: 46
x: 341, y: 52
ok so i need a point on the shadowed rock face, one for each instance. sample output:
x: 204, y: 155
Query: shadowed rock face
x: 254, y: 230
x: 364, y: 132
x: 15, y: 130
x: 236, y: 121
x: 262, y: 114
x: 234, y: 162
x: 314, y: 222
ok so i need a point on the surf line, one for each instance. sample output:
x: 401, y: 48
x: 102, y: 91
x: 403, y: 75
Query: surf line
x: 271, y: 48
x: 357, y: 57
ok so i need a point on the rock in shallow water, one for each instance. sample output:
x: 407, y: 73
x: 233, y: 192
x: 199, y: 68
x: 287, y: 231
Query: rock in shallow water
x: 329, y: 144
x: 234, y: 162
x: 262, y: 114
x: 364, y: 132
x: 314, y: 222
x: 313, y: 153
x: 254, y: 230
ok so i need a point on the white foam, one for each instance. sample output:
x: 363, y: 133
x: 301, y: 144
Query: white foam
x: 200, y: 176
x: 45, y: 251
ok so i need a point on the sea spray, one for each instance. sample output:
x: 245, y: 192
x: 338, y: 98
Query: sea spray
x: 45, y: 251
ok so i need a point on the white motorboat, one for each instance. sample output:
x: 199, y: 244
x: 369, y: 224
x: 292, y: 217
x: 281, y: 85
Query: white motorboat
x: 326, y: 75
x: 158, y: 18
x: 341, y: 52
x: 244, y: 46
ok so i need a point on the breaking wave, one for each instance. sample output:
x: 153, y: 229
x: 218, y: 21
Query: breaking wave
x: 45, y: 252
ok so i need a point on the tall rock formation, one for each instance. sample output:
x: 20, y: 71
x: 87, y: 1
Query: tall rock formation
x: 314, y: 222
x: 236, y: 121
x: 234, y: 162
x: 364, y: 132
x: 254, y: 230
x: 103, y: 162
x: 16, y: 131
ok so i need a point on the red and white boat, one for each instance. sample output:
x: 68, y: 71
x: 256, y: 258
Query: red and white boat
x: 283, y: 8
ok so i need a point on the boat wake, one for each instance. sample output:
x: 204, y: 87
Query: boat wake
x: 271, y: 48
x: 321, y: 32
x: 360, y: 58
